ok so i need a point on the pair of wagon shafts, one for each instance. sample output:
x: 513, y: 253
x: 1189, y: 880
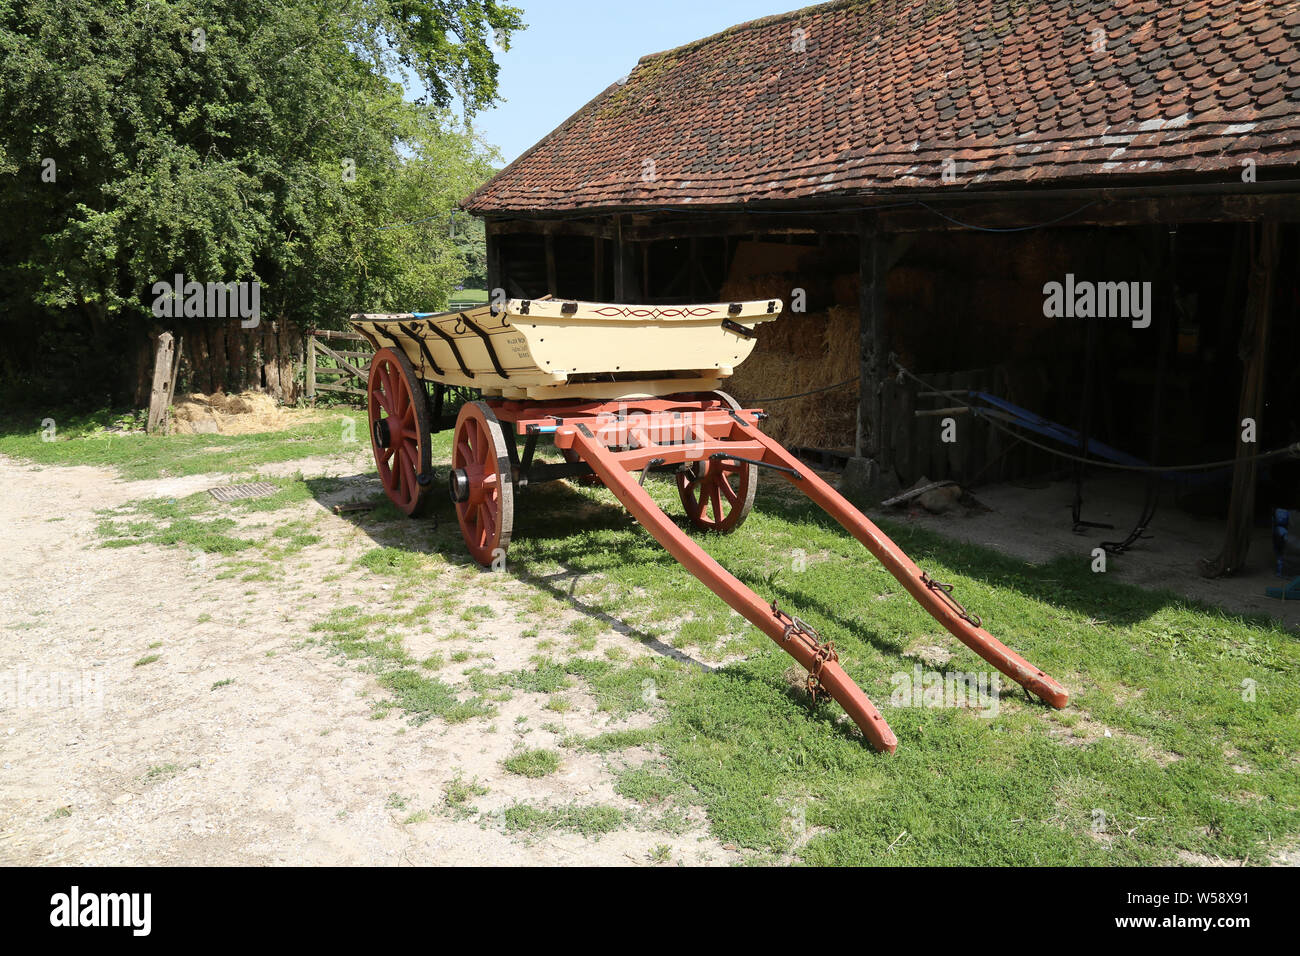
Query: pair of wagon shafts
x: 712, y: 444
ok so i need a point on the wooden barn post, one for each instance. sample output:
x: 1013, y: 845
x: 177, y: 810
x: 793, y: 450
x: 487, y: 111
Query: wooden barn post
x: 1253, y: 350
x: 492, y: 241
x: 872, y: 440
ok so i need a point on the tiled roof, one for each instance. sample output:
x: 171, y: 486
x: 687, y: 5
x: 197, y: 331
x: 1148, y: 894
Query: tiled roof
x: 853, y: 98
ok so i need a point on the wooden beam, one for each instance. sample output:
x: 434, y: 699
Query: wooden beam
x: 872, y: 437
x: 602, y: 227
x: 311, y: 369
x: 929, y: 211
x: 671, y: 226
x: 342, y: 388
x: 1004, y: 213
x: 627, y: 269
x: 175, y: 373
x: 343, y: 363
x: 493, y: 242
x: 163, y: 365
x: 1258, y: 313
x: 645, y: 271
x: 334, y: 334
x: 552, y: 286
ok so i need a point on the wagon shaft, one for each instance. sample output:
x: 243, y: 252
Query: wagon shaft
x: 735, y: 433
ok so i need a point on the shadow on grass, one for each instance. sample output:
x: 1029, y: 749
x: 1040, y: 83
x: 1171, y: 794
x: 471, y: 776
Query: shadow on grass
x: 379, y: 516
x: 1064, y: 582
x: 552, y: 551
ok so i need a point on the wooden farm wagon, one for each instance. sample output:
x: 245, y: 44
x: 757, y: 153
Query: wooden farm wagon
x: 621, y: 390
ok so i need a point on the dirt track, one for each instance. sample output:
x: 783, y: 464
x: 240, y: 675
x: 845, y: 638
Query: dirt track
x: 286, y: 764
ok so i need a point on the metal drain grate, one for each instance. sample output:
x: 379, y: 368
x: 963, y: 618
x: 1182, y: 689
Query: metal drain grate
x: 258, y: 489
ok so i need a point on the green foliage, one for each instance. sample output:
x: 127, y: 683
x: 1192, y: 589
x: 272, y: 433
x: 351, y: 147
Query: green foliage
x: 214, y: 138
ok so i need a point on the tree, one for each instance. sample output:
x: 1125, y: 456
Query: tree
x: 227, y: 140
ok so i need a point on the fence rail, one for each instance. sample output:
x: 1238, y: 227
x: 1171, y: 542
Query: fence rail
x: 349, y: 370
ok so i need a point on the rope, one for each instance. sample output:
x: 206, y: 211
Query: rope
x: 815, y: 391
x: 1037, y: 225
x: 1289, y: 450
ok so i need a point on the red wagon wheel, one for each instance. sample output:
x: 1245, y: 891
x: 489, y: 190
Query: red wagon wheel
x: 399, y: 431
x: 718, y: 495
x: 481, y: 484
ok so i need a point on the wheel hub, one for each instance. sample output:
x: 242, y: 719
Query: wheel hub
x: 382, y: 434
x: 458, y: 485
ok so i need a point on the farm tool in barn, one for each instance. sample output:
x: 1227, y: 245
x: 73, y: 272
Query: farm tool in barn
x: 620, y: 391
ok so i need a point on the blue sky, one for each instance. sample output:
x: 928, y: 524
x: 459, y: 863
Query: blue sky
x: 573, y: 49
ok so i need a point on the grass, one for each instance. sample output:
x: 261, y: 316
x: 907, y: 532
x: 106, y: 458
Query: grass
x: 199, y: 523
x: 458, y: 792
x: 590, y: 821
x: 469, y: 296
x: 533, y: 763
x: 1161, y: 757
x: 1190, y: 767
x: 161, y: 772
x: 91, y: 439
x: 426, y: 697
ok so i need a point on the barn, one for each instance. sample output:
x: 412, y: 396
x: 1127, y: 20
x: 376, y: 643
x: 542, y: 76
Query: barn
x: 1008, y: 235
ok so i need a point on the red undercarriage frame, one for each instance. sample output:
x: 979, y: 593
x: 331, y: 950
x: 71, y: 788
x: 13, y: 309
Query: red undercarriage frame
x: 619, y: 439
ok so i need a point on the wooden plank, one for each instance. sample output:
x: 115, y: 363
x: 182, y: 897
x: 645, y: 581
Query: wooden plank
x: 164, y: 359
x: 343, y: 363
x: 992, y: 436
x: 493, y: 242
x: 333, y: 334
x: 904, y: 427
x: 552, y: 285
x: 340, y: 388
x: 872, y: 434
x: 356, y: 355
x: 311, y: 368
x: 1092, y: 208
x: 175, y: 374
x: 1253, y: 349
x: 601, y: 226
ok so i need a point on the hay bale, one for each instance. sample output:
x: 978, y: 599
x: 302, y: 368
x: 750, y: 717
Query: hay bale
x: 801, y: 353
x: 242, y: 414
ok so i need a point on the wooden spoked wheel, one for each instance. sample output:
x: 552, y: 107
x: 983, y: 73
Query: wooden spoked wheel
x: 399, y: 431
x: 718, y: 495
x: 481, y: 484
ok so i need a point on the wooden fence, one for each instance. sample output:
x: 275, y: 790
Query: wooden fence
x: 980, y: 454
x: 351, y: 369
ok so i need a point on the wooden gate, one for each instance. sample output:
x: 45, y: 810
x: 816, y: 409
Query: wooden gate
x: 349, y: 354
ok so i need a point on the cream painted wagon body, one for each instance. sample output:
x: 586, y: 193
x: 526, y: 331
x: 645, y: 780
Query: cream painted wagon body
x: 549, y: 348
x: 621, y: 391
